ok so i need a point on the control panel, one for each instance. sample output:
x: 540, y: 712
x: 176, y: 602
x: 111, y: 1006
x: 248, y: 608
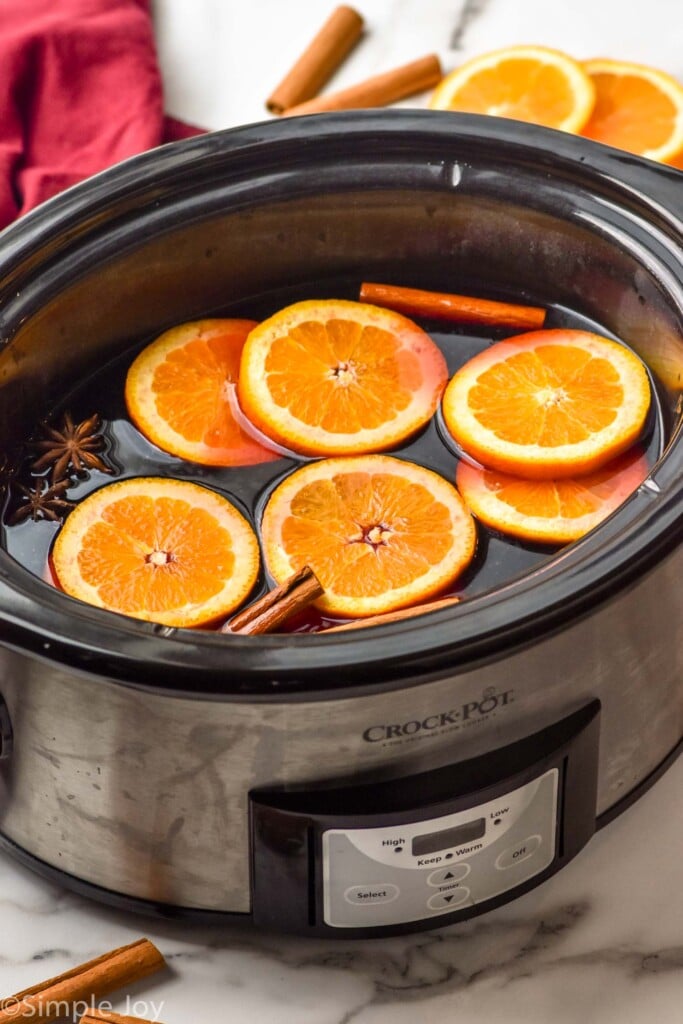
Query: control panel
x: 391, y: 875
x: 400, y: 854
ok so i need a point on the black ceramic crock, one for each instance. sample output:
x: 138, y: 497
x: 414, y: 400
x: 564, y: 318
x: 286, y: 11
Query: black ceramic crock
x: 599, y: 229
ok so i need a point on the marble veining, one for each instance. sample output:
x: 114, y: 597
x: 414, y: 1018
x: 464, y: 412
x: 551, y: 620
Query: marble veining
x: 603, y: 940
x: 469, y: 12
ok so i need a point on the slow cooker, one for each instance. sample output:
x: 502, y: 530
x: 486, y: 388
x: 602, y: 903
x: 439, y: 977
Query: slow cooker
x: 378, y: 780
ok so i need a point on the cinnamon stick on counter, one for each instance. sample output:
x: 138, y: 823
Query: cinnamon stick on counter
x: 90, y: 981
x: 319, y: 61
x: 95, y: 1016
x: 380, y: 90
x: 280, y: 604
x: 403, y: 613
x: 456, y: 308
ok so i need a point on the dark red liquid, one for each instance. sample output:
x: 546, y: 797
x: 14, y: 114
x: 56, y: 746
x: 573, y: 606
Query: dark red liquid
x: 498, y: 558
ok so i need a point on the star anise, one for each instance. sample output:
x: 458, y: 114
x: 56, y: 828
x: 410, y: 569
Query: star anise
x: 72, y: 446
x: 43, y: 502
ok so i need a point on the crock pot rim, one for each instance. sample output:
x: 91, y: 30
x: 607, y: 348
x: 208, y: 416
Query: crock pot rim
x: 40, y: 619
x: 548, y: 147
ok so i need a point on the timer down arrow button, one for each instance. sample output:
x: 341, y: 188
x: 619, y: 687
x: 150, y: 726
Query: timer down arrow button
x: 443, y: 901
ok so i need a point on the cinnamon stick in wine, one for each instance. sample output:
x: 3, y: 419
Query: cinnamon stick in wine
x: 380, y: 90
x: 280, y: 604
x: 319, y: 61
x: 403, y: 613
x: 90, y: 981
x: 456, y: 308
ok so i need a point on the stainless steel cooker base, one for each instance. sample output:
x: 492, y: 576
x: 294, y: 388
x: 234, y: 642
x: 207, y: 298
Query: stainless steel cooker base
x: 146, y: 908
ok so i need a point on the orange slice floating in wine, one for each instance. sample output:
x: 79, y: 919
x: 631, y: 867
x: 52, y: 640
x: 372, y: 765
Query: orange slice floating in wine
x: 333, y: 377
x: 167, y: 551
x: 550, y: 511
x: 380, y: 533
x: 548, y: 404
x: 180, y: 394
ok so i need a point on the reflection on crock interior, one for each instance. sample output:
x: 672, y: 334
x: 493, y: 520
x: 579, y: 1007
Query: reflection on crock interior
x: 98, y: 434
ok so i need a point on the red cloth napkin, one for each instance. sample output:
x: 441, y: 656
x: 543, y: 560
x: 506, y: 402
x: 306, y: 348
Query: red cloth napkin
x: 80, y: 89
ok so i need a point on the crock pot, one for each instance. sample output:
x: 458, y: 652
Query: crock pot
x: 373, y: 781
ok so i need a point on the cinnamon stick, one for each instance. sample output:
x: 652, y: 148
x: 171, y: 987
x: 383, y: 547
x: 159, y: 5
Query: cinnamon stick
x: 269, y: 612
x: 90, y: 981
x: 95, y: 1016
x: 319, y: 61
x: 380, y: 90
x: 456, y: 308
x: 403, y: 613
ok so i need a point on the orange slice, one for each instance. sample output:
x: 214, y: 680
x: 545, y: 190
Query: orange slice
x: 378, y: 532
x: 637, y: 108
x: 168, y: 551
x: 550, y: 511
x: 548, y: 404
x: 332, y: 377
x: 527, y: 83
x: 180, y: 394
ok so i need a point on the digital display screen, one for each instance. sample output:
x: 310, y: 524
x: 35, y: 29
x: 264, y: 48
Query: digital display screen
x: 435, y: 841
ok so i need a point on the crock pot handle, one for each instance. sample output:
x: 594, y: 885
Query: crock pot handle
x: 6, y: 733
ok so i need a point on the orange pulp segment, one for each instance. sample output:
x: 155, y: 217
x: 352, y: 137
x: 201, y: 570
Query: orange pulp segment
x: 379, y: 533
x: 637, y: 108
x: 167, y: 551
x: 334, y: 377
x: 180, y: 394
x: 527, y: 83
x: 548, y: 404
x: 550, y: 511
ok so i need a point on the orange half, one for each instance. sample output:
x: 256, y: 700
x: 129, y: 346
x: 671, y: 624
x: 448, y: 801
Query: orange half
x: 548, y: 404
x: 162, y: 550
x: 527, y: 83
x: 180, y: 392
x: 379, y: 533
x: 637, y: 108
x: 333, y: 377
x: 550, y: 511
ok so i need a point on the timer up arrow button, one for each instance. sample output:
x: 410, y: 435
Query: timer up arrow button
x: 447, y: 876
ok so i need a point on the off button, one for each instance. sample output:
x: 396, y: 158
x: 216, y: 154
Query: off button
x: 518, y: 853
x: 364, y: 895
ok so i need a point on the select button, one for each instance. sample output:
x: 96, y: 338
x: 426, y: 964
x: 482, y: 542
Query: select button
x: 448, y: 876
x: 364, y: 895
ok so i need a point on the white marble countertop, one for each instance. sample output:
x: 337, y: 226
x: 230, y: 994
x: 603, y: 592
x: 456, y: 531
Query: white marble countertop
x: 221, y: 58
x: 603, y: 940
